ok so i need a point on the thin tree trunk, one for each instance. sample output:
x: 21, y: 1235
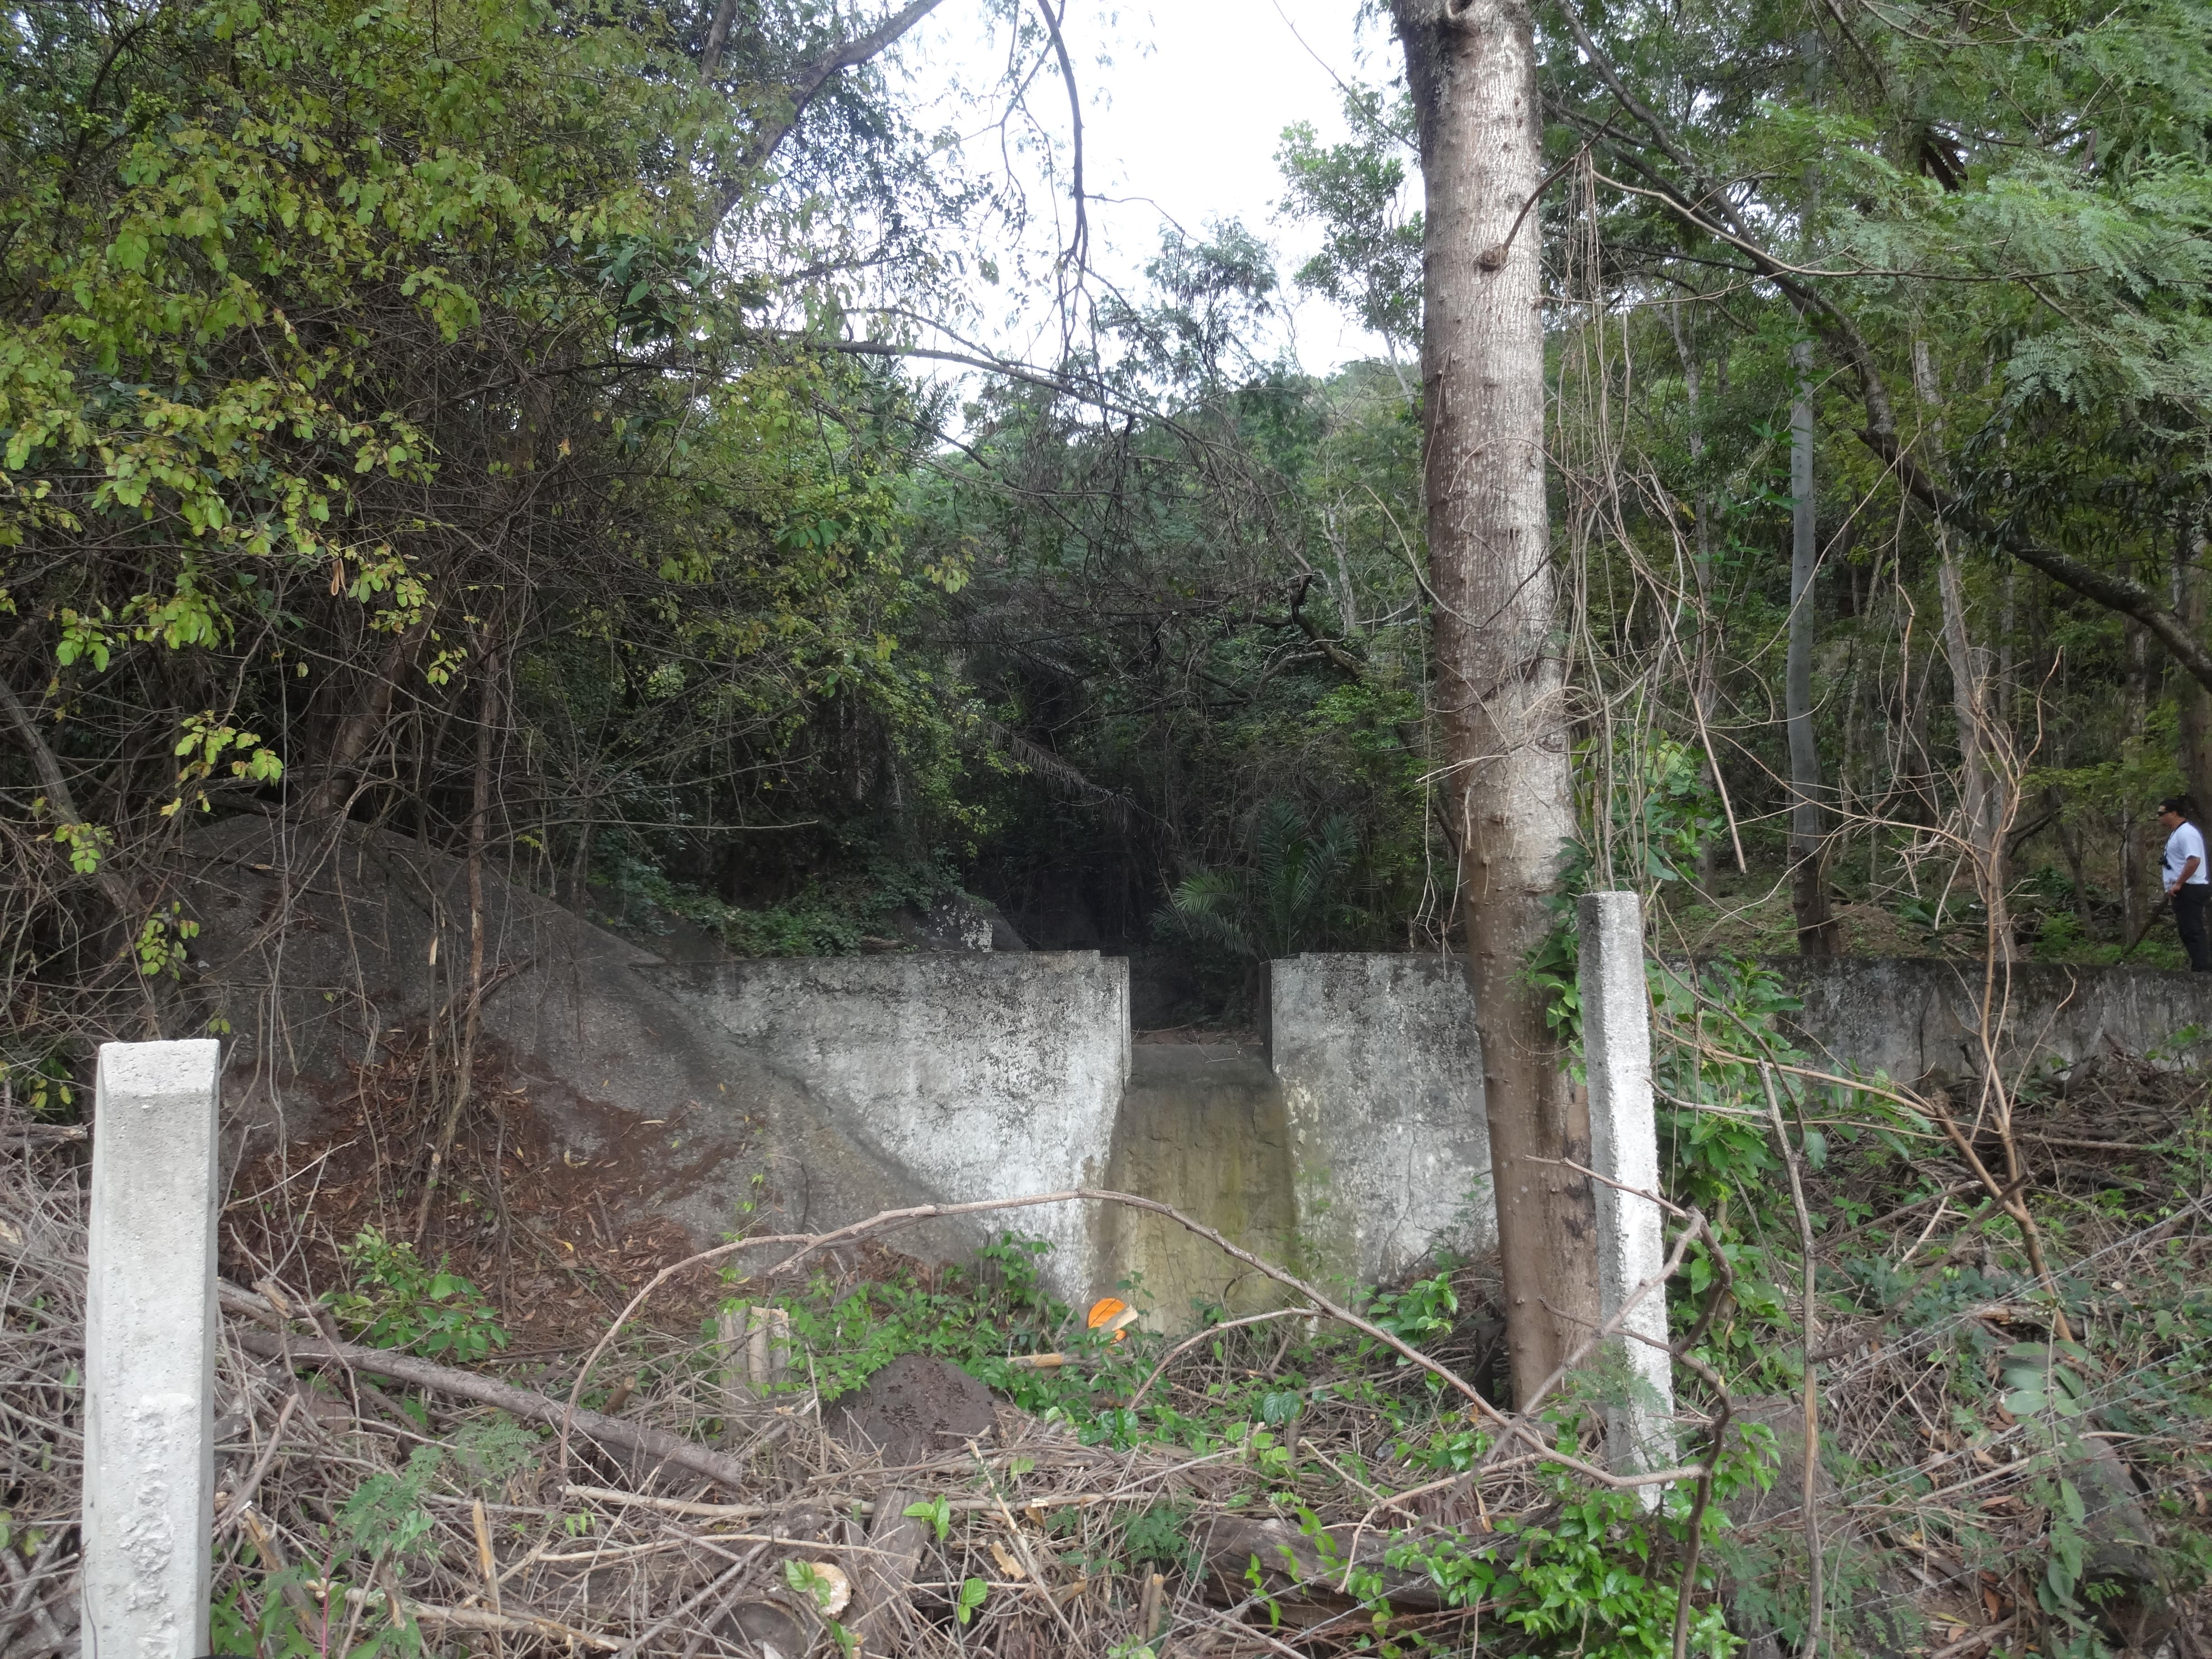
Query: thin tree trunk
x: 2001, y: 694
x: 130, y: 910
x: 1982, y: 796
x: 488, y: 725
x: 1500, y: 681
x: 2069, y: 847
x: 2195, y: 702
x: 357, y: 731
x: 1817, y: 933
x: 2133, y: 896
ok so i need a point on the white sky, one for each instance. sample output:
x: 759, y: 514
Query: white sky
x: 1185, y: 121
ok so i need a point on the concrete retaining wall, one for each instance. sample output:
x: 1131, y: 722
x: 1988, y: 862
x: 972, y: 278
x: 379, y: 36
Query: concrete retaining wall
x: 944, y: 1078
x: 1909, y: 1016
x: 1382, y: 1078
x: 818, y: 1091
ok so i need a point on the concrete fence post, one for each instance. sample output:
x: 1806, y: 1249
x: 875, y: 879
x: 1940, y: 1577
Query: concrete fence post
x: 150, y: 1351
x: 1624, y: 1148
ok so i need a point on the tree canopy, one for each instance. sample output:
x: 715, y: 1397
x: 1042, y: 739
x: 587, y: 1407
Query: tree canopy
x: 503, y: 424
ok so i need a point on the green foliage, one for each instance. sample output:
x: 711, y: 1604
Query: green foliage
x: 354, y: 358
x: 488, y: 1452
x: 1160, y: 1536
x: 395, y: 1301
x: 385, y: 1521
x: 829, y: 916
x: 938, y: 1511
x: 385, y: 1516
x: 1370, y: 258
x: 160, y: 945
x: 1282, y: 902
x: 1584, y: 1574
x: 979, y: 1318
x: 1655, y: 809
x: 1421, y: 1312
x: 974, y: 1592
x: 37, y: 1073
x: 1646, y: 803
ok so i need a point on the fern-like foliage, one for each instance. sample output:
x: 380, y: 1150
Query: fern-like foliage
x: 1282, y: 900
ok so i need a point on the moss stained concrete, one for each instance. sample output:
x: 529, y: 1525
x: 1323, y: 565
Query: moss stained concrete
x: 1203, y: 1127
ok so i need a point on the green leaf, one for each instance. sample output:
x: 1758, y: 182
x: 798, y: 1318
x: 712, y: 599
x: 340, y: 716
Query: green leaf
x: 973, y: 1592
x: 938, y: 1511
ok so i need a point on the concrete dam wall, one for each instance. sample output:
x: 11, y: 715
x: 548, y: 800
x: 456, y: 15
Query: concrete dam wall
x: 802, y: 1095
x: 1352, y: 1144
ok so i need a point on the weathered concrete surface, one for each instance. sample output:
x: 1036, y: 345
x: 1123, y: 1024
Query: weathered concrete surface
x: 150, y: 1351
x: 1382, y: 1078
x: 1909, y: 1016
x: 1616, y: 1005
x: 818, y: 1091
x: 1203, y: 1127
x: 377, y: 942
x: 942, y: 1079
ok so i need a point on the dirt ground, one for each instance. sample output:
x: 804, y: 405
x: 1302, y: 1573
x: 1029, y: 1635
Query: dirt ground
x: 533, y: 1224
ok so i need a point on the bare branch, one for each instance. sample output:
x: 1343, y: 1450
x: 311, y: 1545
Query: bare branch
x: 803, y: 87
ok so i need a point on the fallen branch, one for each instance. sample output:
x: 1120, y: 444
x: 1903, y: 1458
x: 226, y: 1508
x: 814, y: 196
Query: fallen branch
x: 805, y: 1244
x: 484, y: 1390
x: 505, y: 1624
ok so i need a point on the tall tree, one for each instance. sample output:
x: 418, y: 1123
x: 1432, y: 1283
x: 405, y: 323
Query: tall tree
x: 1985, y: 799
x: 2193, y: 702
x: 1808, y: 882
x: 1500, y: 686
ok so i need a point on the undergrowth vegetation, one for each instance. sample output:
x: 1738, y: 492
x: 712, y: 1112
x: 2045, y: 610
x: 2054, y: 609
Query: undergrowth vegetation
x: 1971, y: 1405
x: 2013, y: 1454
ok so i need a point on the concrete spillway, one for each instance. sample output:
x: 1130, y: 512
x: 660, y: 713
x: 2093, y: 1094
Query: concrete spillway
x: 803, y: 1095
x: 1202, y: 1126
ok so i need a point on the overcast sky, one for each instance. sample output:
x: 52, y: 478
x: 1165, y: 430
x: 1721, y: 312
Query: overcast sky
x: 1186, y: 120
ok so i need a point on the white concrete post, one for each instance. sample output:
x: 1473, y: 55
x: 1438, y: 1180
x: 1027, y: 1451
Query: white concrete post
x: 1625, y: 1147
x: 150, y: 1353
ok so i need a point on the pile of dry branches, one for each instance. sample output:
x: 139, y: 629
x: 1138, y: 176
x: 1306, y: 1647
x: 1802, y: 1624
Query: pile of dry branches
x: 362, y: 1491
x: 365, y: 1494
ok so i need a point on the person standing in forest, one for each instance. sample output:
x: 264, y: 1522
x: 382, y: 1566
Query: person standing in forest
x: 2186, y: 880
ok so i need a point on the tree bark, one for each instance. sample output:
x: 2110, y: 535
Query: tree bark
x: 358, y: 731
x: 1808, y: 884
x: 2195, y: 702
x: 1500, y: 676
x: 1985, y: 800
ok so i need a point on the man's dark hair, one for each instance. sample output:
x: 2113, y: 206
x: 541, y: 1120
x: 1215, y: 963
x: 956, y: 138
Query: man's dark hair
x: 2180, y: 804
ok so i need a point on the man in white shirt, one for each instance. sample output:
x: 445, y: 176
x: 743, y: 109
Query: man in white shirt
x: 2188, y: 883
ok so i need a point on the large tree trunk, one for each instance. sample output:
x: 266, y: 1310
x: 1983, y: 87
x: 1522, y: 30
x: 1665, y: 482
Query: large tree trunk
x: 1501, y: 682
x: 1809, y: 874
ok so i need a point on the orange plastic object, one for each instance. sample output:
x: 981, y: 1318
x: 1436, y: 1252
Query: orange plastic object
x: 1111, y: 1314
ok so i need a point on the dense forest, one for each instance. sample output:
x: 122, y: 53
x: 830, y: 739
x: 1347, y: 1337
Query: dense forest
x: 584, y: 440
x: 507, y: 426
